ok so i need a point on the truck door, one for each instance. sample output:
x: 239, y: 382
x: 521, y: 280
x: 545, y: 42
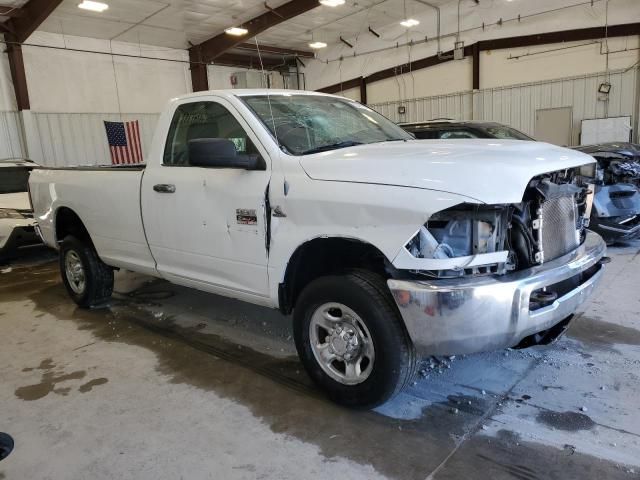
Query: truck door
x: 206, y: 226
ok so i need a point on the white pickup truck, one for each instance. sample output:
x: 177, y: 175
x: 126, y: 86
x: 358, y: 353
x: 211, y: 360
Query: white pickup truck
x: 384, y: 247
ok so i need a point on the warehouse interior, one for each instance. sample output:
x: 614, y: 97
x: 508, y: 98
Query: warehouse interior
x: 166, y: 381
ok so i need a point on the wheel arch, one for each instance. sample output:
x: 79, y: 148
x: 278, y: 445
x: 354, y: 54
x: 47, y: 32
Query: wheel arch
x: 323, y: 256
x: 68, y: 222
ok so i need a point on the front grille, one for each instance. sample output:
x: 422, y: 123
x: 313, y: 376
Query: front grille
x: 558, y: 232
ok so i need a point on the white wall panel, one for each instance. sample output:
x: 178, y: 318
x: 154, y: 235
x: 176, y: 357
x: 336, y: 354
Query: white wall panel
x: 63, y: 139
x: 456, y: 106
x: 516, y: 105
x: 61, y: 79
x: 11, y: 139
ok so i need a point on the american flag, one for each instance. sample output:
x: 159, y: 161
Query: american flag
x: 124, y: 142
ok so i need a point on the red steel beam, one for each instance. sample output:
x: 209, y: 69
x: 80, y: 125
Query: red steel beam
x: 216, y: 46
x: 275, y: 50
x: 33, y: 14
x: 18, y: 75
x: 20, y: 27
x: 11, y: 11
x: 211, y: 49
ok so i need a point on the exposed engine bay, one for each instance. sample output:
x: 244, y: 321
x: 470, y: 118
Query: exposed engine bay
x: 617, y: 162
x: 549, y: 222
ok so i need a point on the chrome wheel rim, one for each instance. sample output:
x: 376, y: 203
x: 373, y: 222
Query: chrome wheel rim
x: 341, y: 343
x: 74, y: 271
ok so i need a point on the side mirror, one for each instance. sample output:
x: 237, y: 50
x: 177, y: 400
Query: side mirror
x: 221, y: 153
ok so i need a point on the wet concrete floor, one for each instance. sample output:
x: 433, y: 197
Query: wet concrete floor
x: 168, y: 382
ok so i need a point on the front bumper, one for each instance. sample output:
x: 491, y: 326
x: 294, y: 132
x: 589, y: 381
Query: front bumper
x: 459, y: 316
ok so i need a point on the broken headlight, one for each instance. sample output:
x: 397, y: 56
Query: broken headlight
x: 466, y: 239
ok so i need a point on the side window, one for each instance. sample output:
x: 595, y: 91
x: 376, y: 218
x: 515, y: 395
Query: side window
x: 202, y: 120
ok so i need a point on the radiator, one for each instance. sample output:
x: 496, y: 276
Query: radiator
x: 558, y: 229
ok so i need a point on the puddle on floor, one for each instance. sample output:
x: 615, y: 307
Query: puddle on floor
x: 507, y: 457
x: 599, y: 332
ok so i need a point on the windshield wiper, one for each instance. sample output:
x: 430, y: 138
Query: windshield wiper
x: 333, y: 146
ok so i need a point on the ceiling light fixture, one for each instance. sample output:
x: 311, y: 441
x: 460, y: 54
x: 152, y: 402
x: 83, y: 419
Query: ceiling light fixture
x: 236, y: 31
x: 409, y: 22
x: 332, y: 3
x: 93, y: 6
x: 317, y: 45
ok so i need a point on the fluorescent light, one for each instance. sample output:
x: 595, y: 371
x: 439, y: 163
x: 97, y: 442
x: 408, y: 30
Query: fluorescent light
x: 93, y: 6
x: 409, y: 22
x: 332, y: 3
x: 237, y: 31
x: 317, y: 44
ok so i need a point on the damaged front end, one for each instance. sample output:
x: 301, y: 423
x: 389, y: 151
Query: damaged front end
x: 479, y: 277
x: 472, y: 239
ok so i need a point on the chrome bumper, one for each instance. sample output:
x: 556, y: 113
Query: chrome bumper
x: 458, y: 316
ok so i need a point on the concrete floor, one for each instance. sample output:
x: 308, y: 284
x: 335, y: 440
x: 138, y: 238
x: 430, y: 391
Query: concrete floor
x: 172, y: 383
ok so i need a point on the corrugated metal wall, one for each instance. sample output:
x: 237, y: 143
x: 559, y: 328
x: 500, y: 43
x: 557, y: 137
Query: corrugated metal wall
x: 11, y: 138
x: 457, y: 106
x: 516, y: 105
x: 58, y: 139
x: 62, y: 139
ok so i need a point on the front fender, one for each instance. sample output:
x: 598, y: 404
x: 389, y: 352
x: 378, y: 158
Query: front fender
x: 381, y: 215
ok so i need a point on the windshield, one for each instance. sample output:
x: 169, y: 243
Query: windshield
x: 305, y: 124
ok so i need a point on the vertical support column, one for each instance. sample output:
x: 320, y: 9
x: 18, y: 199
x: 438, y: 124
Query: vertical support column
x: 476, y: 66
x: 18, y: 75
x: 363, y: 90
x: 199, y: 78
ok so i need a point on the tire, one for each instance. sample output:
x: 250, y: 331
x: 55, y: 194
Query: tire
x: 384, y: 371
x: 88, y: 280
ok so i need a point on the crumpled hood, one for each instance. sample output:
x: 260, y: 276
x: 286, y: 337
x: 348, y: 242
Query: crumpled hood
x: 488, y: 170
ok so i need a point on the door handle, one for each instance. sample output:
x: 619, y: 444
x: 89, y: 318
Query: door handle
x: 164, y: 188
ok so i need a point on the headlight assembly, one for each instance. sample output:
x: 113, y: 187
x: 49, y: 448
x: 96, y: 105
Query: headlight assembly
x: 460, y: 240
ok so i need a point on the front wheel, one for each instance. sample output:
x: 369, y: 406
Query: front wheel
x: 89, y: 281
x: 351, y: 339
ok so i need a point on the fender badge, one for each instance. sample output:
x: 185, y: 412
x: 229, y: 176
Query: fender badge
x: 246, y: 217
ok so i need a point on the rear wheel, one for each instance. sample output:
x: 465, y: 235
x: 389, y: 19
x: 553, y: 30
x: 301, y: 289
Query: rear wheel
x: 89, y: 281
x: 351, y: 339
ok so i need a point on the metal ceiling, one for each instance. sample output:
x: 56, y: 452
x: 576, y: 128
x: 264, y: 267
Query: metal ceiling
x: 175, y: 24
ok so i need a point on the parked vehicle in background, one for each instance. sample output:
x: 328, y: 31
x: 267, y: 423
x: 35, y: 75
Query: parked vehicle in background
x: 616, y: 206
x: 446, y: 129
x: 317, y: 205
x: 16, y: 216
x: 618, y: 162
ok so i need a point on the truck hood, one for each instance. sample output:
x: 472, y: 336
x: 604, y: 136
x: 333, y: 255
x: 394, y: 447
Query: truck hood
x: 486, y: 170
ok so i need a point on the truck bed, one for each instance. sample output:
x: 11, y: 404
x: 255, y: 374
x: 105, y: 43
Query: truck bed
x: 107, y: 200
